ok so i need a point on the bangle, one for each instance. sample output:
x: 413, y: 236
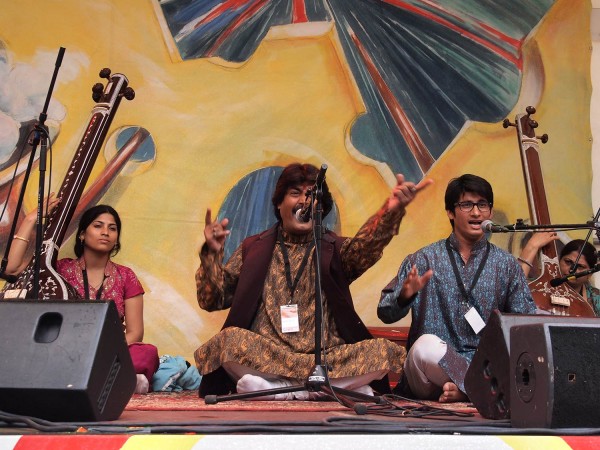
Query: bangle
x: 16, y: 236
x: 525, y: 262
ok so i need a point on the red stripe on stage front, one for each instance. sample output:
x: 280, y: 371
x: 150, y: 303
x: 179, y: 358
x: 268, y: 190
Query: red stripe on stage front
x: 582, y: 442
x: 57, y: 442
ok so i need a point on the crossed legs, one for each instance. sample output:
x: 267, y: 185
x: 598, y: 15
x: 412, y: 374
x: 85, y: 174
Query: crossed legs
x: 427, y: 380
x: 249, y: 380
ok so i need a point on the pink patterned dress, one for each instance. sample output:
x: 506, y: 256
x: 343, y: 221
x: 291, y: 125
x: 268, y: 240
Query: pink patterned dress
x: 120, y: 282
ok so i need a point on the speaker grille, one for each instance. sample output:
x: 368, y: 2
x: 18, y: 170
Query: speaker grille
x: 576, y: 375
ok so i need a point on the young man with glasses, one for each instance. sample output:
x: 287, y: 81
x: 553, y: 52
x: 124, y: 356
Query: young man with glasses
x: 452, y: 286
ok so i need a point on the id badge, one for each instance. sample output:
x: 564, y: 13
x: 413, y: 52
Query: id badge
x: 289, y: 319
x: 474, y: 320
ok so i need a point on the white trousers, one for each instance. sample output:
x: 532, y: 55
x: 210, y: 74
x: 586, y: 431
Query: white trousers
x: 237, y: 371
x: 423, y: 373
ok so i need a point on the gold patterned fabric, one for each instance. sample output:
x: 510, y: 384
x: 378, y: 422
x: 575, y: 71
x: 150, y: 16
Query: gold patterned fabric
x: 265, y: 347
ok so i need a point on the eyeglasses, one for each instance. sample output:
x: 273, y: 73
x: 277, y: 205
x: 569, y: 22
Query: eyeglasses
x: 482, y: 206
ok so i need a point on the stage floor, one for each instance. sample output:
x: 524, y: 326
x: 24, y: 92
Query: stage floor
x: 183, y: 421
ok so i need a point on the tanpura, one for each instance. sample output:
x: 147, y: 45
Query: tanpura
x: 50, y: 285
x: 559, y: 300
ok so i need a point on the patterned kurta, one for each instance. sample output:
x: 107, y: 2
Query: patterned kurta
x: 264, y: 347
x: 120, y: 281
x: 593, y: 295
x: 439, y: 307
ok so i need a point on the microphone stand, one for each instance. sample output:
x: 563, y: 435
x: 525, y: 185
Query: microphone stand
x: 318, y: 380
x: 587, y: 238
x: 520, y: 226
x: 591, y: 225
x: 572, y: 276
x: 40, y: 137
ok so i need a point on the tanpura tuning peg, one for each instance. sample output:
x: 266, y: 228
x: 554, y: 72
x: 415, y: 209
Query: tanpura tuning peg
x: 129, y: 93
x: 533, y: 123
x: 97, y: 91
x: 543, y: 138
x: 530, y: 110
x: 507, y: 123
x: 105, y: 73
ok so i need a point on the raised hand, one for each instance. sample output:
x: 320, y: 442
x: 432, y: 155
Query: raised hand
x: 528, y: 255
x: 215, y: 232
x: 405, y: 191
x: 50, y: 203
x: 413, y: 284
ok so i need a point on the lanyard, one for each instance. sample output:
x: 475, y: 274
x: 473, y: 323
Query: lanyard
x: 86, y: 286
x: 288, y: 271
x: 459, y: 281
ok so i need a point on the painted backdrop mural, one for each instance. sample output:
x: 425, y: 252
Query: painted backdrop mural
x: 228, y: 92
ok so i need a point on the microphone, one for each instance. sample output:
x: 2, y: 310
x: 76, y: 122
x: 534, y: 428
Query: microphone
x: 489, y: 226
x: 304, y: 214
x: 554, y: 282
x: 321, y: 175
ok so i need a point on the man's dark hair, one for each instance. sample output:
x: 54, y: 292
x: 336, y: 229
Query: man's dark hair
x: 467, y: 183
x: 297, y: 174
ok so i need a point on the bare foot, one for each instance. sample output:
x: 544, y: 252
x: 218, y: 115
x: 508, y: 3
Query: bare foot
x: 452, y: 394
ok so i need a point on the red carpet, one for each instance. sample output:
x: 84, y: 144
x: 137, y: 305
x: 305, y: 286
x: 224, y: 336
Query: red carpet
x: 189, y: 401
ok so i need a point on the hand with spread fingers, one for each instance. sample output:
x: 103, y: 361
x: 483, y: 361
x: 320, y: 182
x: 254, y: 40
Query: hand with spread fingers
x: 413, y: 284
x: 215, y: 232
x: 405, y: 191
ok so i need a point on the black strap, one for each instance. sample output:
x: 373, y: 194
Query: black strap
x: 286, y: 261
x: 86, y: 286
x: 459, y: 281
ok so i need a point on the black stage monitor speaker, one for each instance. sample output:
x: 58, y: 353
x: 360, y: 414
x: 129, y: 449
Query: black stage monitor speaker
x: 64, y: 360
x: 487, y: 381
x: 556, y: 372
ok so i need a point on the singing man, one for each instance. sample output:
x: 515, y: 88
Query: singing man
x: 268, y: 285
x: 452, y: 286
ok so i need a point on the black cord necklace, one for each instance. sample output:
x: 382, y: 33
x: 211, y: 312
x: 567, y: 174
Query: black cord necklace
x: 86, y: 286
